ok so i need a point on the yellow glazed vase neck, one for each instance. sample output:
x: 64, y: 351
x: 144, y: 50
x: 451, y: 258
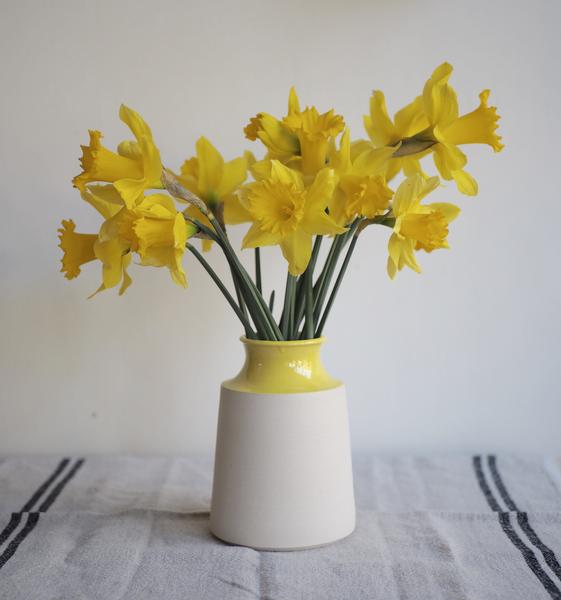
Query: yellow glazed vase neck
x: 282, y: 368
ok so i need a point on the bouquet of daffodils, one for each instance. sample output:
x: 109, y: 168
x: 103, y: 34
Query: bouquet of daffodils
x: 313, y: 183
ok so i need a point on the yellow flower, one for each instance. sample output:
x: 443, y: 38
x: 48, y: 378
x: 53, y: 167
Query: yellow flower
x: 134, y: 168
x: 384, y: 132
x: 301, y: 140
x: 314, y: 131
x: 447, y: 130
x: 361, y: 189
x: 161, y: 233
x: 152, y: 227
x: 215, y: 182
x: 78, y: 249
x: 287, y: 213
x: 282, y: 143
x: 417, y: 227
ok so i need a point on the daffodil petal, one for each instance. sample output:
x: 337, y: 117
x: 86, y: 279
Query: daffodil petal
x: 152, y: 163
x: 378, y: 124
x: 255, y: 238
x: 234, y: 211
x: 233, y: 175
x: 407, y: 195
x: 293, y: 102
x: 135, y: 122
x: 297, y: 250
x: 450, y: 211
x: 411, y: 119
x: 283, y: 174
x: 465, y: 182
x: 104, y: 198
x: 320, y: 192
x: 130, y: 190
x: 448, y: 158
x: 439, y: 98
x: 211, y: 165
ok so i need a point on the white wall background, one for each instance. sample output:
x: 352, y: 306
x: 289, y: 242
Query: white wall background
x: 465, y: 357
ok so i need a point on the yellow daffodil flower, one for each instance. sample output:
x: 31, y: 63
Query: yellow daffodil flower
x: 78, y: 249
x: 134, y: 168
x: 447, y: 130
x: 301, y: 139
x: 287, y: 213
x: 281, y: 143
x: 314, y: 131
x: 384, y: 132
x: 160, y: 235
x: 417, y: 226
x: 215, y: 182
x: 361, y: 185
x: 152, y: 227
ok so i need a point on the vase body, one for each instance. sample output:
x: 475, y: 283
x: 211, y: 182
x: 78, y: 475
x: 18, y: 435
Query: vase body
x: 282, y: 472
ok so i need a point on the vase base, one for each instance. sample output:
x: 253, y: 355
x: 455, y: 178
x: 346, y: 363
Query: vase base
x: 284, y: 548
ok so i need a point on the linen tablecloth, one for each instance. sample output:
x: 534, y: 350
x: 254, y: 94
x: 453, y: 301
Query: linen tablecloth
x: 473, y: 527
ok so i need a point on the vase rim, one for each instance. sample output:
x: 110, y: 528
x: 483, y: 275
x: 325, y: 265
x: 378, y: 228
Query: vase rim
x: 284, y: 343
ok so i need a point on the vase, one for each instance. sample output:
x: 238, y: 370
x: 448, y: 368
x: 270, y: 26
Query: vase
x: 282, y: 472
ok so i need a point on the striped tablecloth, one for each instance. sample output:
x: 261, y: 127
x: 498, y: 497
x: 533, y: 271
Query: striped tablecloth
x: 428, y: 528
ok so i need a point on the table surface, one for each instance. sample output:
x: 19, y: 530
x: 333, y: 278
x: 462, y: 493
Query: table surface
x: 121, y: 527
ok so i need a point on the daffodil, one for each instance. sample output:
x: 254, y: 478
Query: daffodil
x: 134, y: 168
x: 446, y: 130
x: 78, y: 249
x: 153, y: 228
x: 281, y: 143
x: 417, y: 226
x: 314, y: 131
x: 287, y: 213
x: 361, y: 185
x: 384, y: 132
x: 215, y: 182
x: 301, y: 139
x: 161, y: 233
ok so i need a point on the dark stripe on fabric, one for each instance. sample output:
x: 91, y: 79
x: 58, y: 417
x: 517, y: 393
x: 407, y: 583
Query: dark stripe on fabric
x: 32, y: 520
x: 33, y: 517
x: 548, y: 554
x: 504, y: 521
x: 16, y: 517
x: 15, y: 520
x: 529, y: 557
x: 492, y: 462
x: 58, y: 489
x: 522, y: 518
x: 484, y: 486
x: 43, y: 487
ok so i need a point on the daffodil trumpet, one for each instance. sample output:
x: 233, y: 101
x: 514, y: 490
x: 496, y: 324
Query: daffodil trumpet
x: 313, y: 182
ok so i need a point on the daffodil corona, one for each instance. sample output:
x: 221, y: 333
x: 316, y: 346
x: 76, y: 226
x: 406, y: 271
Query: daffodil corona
x: 313, y: 185
x: 287, y: 213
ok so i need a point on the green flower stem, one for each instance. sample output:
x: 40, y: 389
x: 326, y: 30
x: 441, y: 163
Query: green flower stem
x: 212, y: 235
x: 247, y: 326
x: 260, y: 310
x: 337, y: 284
x: 300, y: 292
x: 258, y: 269
x: 285, y: 317
x: 272, y: 301
x: 292, y: 312
x: 322, y: 284
x: 337, y: 247
x: 308, y: 332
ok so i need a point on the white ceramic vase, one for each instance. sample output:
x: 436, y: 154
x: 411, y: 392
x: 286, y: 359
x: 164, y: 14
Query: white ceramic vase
x: 282, y: 473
